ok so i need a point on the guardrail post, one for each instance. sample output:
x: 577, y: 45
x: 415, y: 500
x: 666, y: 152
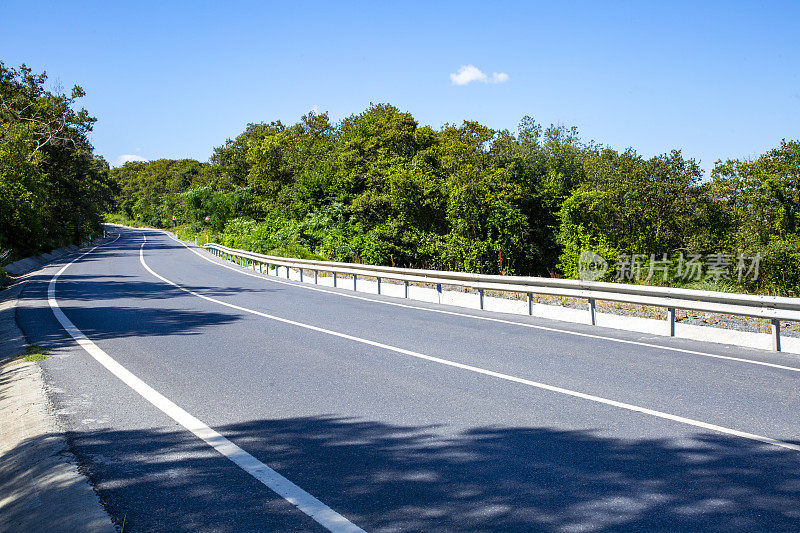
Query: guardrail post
x: 316, y: 273
x: 480, y: 294
x: 671, y: 318
x: 287, y: 273
x: 529, y: 297
x: 776, y: 334
x: 334, y: 280
x: 439, y: 292
x: 354, y: 281
x: 301, y: 275
x: 592, y: 313
x: 405, y: 283
x: 379, y: 285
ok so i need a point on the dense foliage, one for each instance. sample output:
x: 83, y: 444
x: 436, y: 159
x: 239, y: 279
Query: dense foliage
x: 53, y: 190
x: 380, y: 188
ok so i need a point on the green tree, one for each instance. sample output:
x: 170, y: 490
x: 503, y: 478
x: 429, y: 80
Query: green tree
x: 762, y: 200
x: 52, y: 188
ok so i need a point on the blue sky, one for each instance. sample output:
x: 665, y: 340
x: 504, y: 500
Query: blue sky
x: 175, y: 79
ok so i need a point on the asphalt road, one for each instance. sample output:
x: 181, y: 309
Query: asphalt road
x: 401, y: 417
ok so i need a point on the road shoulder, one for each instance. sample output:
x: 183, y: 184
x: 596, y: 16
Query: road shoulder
x: 41, y: 487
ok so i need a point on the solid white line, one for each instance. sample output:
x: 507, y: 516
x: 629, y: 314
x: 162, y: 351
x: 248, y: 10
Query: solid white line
x: 485, y: 372
x: 488, y: 318
x: 304, y: 501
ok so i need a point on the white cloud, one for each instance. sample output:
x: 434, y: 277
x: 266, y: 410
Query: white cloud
x: 121, y: 160
x: 499, y: 77
x: 469, y: 73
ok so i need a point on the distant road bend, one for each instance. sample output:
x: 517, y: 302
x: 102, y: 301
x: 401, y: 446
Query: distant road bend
x: 202, y: 396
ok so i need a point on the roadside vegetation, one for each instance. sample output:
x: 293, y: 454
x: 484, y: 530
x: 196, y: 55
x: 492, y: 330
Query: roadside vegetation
x: 33, y: 353
x: 53, y: 189
x: 380, y: 188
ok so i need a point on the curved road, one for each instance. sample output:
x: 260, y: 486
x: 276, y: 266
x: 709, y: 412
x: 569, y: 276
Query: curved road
x: 204, y: 397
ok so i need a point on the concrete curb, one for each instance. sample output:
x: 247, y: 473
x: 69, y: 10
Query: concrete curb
x: 29, y: 264
x: 41, y: 488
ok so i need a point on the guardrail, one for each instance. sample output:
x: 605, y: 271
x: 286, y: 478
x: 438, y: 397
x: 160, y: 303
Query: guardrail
x: 773, y: 308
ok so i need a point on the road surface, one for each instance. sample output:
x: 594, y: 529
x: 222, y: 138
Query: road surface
x: 206, y: 397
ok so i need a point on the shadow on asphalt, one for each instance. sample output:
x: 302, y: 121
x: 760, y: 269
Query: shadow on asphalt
x: 397, y: 478
x: 111, y: 319
x: 119, y: 320
x: 96, y: 287
x: 407, y: 478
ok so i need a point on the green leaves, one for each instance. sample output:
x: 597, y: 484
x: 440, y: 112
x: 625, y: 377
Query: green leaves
x: 762, y: 200
x: 52, y: 189
x: 379, y: 188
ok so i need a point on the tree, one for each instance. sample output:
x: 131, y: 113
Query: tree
x: 52, y: 188
x: 762, y: 198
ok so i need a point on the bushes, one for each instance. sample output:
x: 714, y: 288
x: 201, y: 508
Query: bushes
x: 52, y: 188
x: 378, y: 188
x: 780, y: 267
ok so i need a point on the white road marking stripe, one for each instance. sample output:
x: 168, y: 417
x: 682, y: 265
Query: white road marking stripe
x: 488, y: 318
x: 478, y: 370
x: 304, y: 501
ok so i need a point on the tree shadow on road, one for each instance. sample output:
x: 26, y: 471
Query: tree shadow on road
x: 405, y: 478
x: 92, y: 288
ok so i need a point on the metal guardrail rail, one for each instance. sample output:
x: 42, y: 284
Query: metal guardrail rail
x: 773, y: 308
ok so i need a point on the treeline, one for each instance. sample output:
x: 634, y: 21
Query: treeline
x: 53, y: 189
x: 379, y: 188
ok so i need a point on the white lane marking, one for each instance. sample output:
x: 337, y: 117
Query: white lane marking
x: 488, y: 318
x: 24, y: 278
x: 301, y: 499
x: 485, y: 372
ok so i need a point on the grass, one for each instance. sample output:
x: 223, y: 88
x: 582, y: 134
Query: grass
x: 34, y: 352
